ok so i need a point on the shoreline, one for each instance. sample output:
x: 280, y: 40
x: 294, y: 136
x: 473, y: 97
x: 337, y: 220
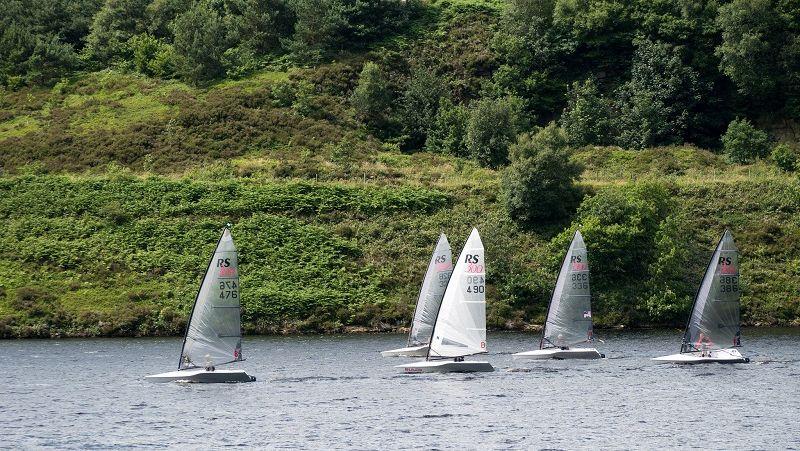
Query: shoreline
x: 360, y: 330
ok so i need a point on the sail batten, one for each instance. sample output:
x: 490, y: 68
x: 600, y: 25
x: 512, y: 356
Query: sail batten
x: 430, y: 297
x: 715, y: 319
x: 460, y: 328
x: 214, y: 334
x: 569, y: 315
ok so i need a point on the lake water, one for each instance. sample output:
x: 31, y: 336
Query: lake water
x: 326, y: 392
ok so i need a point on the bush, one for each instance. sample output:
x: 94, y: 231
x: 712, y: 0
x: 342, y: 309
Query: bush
x: 448, y: 131
x: 200, y: 42
x: 539, y: 185
x: 785, y: 157
x: 419, y: 104
x: 151, y: 56
x: 656, y: 105
x: 744, y: 143
x: 112, y: 27
x: 586, y: 120
x: 492, y: 127
x: 317, y: 29
x: 371, y: 98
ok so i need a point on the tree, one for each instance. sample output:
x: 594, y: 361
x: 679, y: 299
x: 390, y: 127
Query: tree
x: 371, y: 98
x: 418, y: 106
x: 656, y: 105
x: 539, y: 184
x: 587, y: 118
x: 744, y: 143
x: 200, y: 42
x: 317, y: 28
x: 112, y: 27
x: 493, y: 125
x: 752, y: 35
x: 448, y: 132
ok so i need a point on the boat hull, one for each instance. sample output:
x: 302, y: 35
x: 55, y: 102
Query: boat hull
x: 446, y: 366
x: 200, y: 375
x: 559, y: 354
x: 412, y: 351
x: 691, y: 358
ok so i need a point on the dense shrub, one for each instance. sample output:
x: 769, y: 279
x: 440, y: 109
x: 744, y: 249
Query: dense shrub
x: 112, y: 27
x: 492, y: 127
x: 587, y: 117
x: 200, y: 42
x: 418, y: 106
x: 785, y: 157
x: 447, y: 132
x: 371, y: 99
x: 744, y: 143
x: 656, y: 105
x: 539, y: 184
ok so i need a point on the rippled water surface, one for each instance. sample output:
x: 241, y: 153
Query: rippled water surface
x: 338, y: 392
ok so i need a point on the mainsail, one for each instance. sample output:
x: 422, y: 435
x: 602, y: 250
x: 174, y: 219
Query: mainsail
x: 430, y: 296
x: 714, y: 323
x: 460, y: 328
x: 569, y: 317
x: 214, y: 334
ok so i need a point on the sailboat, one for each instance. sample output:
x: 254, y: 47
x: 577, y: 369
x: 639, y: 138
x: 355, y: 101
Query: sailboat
x: 430, y: 298
x: 460, y: 327
x: 713, y: 332
x: 569, y: 316
x: 214, y: 334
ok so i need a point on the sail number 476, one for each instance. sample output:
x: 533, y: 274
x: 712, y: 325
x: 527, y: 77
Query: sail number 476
x: 228, y: 289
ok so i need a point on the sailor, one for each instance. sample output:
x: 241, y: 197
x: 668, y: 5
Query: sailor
x: 560, y: 342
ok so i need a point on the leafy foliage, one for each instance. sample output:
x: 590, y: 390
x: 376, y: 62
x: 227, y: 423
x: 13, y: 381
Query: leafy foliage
x: 492, y: 126
x: 371, y: 99
x: 744, y: 143
x: 539, y: 184
x: 785, y: 157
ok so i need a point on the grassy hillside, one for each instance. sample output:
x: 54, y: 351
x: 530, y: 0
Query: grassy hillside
x: 114, y: 187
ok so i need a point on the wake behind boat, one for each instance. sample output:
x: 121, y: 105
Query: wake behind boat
x: 713, y: 329
x: 430, y: 297
x: 214, y: 333
x: 569, y: 315
x: 460, y: 327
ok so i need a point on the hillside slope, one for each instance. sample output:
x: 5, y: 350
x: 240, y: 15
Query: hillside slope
x: 115, y: 186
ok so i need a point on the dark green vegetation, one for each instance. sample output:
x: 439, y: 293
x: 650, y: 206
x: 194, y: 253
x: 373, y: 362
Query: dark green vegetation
x: 339, y: 137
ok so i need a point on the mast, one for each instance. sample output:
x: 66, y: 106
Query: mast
x: 197, y: 296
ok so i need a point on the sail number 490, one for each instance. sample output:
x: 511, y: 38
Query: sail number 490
x: 476, y: 284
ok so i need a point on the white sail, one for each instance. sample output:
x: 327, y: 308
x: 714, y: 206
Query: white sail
x: 569, y: 318
x: 460, y: 328
x: 430, y: 296
x: 214, y: 335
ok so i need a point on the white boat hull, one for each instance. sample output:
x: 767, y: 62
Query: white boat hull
x: 200, y: 375
x: 412, y: 351
x: 717, y: 356
x: 446, y: 366
x: 559, y: 354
